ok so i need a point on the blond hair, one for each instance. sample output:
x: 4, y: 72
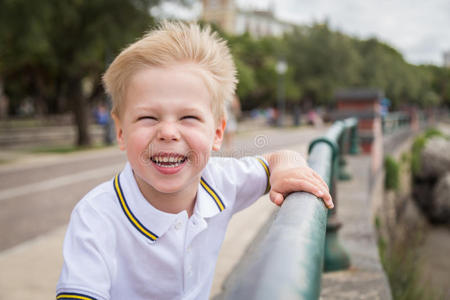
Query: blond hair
x: 173, y: 43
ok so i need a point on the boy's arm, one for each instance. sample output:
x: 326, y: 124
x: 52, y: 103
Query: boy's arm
x: 85, y: 273
x: 290, y: 173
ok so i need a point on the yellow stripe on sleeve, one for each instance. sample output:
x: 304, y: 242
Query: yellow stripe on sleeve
x: 63, y: 296
x: 212, y: 194
x: 266, y: 168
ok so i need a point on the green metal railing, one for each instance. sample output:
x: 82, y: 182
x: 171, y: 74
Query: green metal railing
x: 302, y: 240
x: 394, y: 121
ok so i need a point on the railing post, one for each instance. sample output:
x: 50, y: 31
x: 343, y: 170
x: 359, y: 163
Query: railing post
x: 354, y: 140
x: 343, y: 147
x: 336, y: 257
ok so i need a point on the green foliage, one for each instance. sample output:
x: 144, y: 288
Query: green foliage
x: 401, y: 261
x: 404, y: 272
x: 47, y: 43
x: 321, y: 61
x: 417, y: 147
x: 392, y: 168
x: 50, y: 47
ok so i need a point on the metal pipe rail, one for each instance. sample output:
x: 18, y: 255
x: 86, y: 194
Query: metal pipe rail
x: 288, y: 262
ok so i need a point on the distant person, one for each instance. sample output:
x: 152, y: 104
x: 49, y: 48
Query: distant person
x: 233, y: 110
x: 154, y: 231
x: 314, y: 118
x: 271, y: 116
x: 101, y: 114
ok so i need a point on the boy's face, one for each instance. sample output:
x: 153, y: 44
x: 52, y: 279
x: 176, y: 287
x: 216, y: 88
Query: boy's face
x: 167, y: 128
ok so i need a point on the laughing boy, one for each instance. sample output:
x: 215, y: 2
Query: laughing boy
x: 154, y: 231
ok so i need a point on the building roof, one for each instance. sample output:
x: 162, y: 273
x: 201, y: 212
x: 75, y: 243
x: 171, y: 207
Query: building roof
x: 359, y: 94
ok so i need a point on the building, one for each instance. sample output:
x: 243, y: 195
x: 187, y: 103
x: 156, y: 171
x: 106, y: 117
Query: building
x: 447, y: 59
x: 237, y: 21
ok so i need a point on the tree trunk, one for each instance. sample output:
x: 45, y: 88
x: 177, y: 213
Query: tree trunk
x: 80, y: 111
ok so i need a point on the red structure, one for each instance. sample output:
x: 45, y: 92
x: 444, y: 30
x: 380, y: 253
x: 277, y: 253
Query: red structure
x: 364, y: 104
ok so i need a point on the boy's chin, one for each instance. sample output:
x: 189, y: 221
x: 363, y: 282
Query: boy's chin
x: 169, y: 187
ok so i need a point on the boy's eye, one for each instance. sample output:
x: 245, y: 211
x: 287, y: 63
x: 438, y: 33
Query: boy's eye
x: 190, y: 117
x: 147, y: 118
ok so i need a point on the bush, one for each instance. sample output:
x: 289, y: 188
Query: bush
x: 391, y: 180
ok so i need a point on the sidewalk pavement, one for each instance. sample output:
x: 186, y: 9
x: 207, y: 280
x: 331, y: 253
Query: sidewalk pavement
x: 365, y: 279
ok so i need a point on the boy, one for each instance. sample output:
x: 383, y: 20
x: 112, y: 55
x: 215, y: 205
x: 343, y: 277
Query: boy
x: 155, y: 230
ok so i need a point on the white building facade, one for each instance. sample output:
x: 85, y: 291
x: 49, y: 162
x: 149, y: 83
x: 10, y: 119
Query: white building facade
x: 236, y: 21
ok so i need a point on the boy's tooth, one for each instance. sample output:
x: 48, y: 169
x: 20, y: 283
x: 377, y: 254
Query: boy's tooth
x: 173, y: 161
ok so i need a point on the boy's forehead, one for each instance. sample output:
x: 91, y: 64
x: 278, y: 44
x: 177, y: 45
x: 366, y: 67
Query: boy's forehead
x: 171, y: 75
x: 151, y: 84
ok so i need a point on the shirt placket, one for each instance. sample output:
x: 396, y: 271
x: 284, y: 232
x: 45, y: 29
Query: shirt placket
x: 195, y: 225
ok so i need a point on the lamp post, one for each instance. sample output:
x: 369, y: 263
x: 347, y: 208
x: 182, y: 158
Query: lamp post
x: 281, y: 69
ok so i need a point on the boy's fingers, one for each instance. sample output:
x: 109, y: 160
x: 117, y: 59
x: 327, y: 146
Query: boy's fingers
x: 276, y: 197
x: 318, y: 177
x: 314, y: 187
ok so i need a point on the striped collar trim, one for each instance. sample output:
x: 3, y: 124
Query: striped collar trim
x: 72, y: 296
x: 266, y: 168
x: 217, y: 200
x: 129, y: 214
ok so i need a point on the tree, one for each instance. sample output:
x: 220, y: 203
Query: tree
x: 50, y: 47
x: 323, y: 60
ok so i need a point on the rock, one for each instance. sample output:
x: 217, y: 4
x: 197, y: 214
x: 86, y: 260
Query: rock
x: 422, y: 190
x: 435, y: 158
x: 440, y: 212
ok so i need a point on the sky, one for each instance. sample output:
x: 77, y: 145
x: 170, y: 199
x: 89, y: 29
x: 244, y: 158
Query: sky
x: 419, y: 29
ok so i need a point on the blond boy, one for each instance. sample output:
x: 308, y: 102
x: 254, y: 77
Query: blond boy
x: 155, y: 230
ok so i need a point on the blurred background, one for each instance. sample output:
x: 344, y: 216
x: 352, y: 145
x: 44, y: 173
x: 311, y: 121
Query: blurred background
x: 53, y: 54
x: 295, y: 59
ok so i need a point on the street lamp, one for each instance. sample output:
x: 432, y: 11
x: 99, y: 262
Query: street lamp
x: 281, y: 69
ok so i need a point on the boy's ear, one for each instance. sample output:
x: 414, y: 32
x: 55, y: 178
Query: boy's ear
x: 119, y: 132
x: 218, y: 137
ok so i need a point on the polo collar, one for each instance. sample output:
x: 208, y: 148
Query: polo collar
x: 151, y: 222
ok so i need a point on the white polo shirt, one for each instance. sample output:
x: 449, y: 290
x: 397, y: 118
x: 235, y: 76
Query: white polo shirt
x: 118, y: 246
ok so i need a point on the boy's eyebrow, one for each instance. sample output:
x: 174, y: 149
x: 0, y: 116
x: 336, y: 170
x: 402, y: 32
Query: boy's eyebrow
x: 149, y: 109
x: 191, y: 110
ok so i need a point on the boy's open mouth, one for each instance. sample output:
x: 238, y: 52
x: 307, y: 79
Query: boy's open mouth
x: 168, y: 160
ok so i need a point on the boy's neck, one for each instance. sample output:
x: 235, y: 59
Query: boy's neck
x: 170, y: 203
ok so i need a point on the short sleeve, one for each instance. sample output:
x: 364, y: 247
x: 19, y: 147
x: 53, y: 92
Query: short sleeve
x: 245, y: 179
x: 86, y: 272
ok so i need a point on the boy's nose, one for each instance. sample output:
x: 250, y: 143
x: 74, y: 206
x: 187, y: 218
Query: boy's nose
x: 168, y: 132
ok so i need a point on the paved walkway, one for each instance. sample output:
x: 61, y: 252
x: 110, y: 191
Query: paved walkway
x: 365, y: 279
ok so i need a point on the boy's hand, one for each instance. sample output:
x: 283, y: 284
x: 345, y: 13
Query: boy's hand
x: 290, y: 173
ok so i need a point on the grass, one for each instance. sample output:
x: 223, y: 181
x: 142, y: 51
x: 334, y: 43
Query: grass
x: 392, y: 168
